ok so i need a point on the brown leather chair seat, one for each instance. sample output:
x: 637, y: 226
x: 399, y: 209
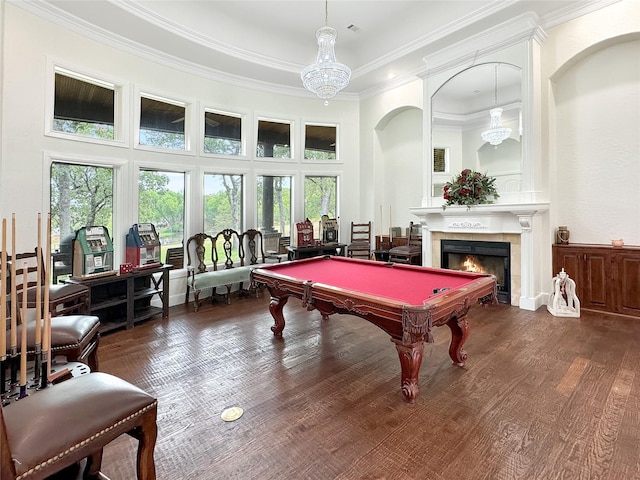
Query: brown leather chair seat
x: 54, y: 428
x: 74, y: 336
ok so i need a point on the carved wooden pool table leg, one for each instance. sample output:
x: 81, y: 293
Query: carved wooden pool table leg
x: 459, y: 332
x: 410, y: 361
x: 275, y: 307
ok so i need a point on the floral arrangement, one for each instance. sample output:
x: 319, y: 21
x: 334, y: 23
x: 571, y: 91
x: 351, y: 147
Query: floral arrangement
x: 470, y: 188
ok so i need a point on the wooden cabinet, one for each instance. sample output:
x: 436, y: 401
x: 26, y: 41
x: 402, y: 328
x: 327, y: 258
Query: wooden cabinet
x: 607, y: 278
x: 124, y: 300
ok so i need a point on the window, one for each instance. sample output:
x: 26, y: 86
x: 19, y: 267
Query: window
x: 223, y: 205
x: 161, y: 202
x: 319, y: 142
x: 222, y: 134
x: 320, y: 198
x: 274, y: 139
x: 440, y: 160
x: 274, y: 204
x: 162, y: 123
x: 83, y: 106
x: 81, y: 196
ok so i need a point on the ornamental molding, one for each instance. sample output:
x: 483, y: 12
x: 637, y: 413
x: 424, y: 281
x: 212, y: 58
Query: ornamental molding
x: 467, y: 225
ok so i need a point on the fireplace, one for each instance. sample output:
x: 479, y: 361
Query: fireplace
x: 481, y: 257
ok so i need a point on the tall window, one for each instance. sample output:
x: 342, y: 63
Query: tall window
x: 162, y: 123
x: 161, y: 202
x: 83, y: 106
x: 319, y: 142
x: 81, y: 196
x: 222, y: 133
x: 320, y: 198
x: 274, y: 204
x: 223, y: 206
x: 274, y: 139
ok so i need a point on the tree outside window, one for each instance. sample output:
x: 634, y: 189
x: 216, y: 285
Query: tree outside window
x: 274, y: 204
x: 161, y: 202
x: 223, y: 207
x: 320, y: 197
x: 81, y: 196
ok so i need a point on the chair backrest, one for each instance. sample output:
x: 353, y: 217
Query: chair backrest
x: 28, y: 272
x: 175, y: 257
x: 415, y: 235
x: 227, y: 246
x: 361, y: 232
x: 200, y: 252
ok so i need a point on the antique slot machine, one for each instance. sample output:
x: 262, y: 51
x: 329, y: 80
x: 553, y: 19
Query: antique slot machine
x: 92, y: 253
x: 143, y: 246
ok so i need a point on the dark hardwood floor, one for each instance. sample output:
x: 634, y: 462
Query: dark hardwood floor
x: 541, y: 397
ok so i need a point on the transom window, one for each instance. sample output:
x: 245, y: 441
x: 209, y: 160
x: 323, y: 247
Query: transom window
x: 274, y: 139
x: 162, y: 123
x: 83, y: 106
x: 319, y: 142
x: 222, y: 133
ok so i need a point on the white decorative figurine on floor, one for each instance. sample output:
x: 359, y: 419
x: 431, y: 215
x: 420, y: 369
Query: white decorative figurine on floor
x: 563, y: 301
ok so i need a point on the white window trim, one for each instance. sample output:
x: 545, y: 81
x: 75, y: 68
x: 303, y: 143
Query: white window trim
x: 244, y: 117
x: 121, y: 103
x: 293, y: 123
x: 303, y: 136
x: 189, y: 122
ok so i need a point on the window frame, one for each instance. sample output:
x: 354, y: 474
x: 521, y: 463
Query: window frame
x: 244, y: 132
x: 254, y: 194
x: 189, y: 121
x: 304, y: 143
x: 121, y: 99
x: 292, y: 122
x: 244, y: 173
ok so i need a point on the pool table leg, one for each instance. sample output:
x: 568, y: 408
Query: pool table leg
x: 275, y: 307
x: 410, y: 361
x: 459, y: 332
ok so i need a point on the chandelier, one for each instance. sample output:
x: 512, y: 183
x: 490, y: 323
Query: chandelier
x: 496, y: 133
x: 326, y: 77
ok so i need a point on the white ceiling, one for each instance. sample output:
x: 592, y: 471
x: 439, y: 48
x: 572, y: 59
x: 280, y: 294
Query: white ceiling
x: 270, y: 41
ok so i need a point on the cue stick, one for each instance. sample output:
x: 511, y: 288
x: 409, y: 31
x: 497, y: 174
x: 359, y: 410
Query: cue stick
x: 3, y: 308
x: 38, y: 340
x: 46, y: 342
x: 14, y: 313
x: 23, y: 332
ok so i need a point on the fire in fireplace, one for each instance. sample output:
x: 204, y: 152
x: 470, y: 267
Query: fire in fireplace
x: 480, y: 257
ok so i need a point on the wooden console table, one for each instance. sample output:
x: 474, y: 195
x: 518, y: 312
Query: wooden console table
x: 125, y: 299
x: 296, y: 253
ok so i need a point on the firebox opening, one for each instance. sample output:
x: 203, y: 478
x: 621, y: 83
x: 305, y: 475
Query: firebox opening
x: 480, y: 257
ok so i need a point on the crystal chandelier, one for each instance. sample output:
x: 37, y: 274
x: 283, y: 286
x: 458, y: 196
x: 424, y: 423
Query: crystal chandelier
x: 326, y: 77
x: 496, y: 133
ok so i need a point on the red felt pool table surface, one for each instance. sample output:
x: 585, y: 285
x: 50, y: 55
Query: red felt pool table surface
x: 412, y: 286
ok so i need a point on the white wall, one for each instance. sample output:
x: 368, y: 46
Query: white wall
x: 592, y: 69
x: 36, y: 44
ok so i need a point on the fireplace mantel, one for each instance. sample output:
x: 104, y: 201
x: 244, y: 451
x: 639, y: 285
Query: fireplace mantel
x: 516, y: 218
x: 486, y: 218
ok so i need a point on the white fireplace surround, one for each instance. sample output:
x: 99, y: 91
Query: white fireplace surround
x: 523, y: 219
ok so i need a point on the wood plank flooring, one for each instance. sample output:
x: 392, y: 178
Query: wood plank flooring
x: 541, y: 397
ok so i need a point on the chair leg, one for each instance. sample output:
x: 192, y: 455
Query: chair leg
x: 196, y: 300
x: 94, y: 464
x: 146, y: 435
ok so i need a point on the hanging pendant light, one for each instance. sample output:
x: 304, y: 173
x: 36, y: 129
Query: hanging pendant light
x: 326, y: 77
x: 496, y: 133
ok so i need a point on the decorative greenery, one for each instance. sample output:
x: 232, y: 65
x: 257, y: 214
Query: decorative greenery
x: 470, y: 188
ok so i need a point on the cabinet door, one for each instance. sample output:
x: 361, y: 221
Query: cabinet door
x: 571, y: 261
x: 628, y: 291
x: 597, y: 281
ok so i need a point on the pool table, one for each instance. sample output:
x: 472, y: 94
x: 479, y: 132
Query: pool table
x: 406, y: 301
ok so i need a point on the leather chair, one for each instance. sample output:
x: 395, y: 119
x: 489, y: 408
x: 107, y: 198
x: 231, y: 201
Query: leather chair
x: 55, y: 428
x: 410, y: 253
x: 76, y: 336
